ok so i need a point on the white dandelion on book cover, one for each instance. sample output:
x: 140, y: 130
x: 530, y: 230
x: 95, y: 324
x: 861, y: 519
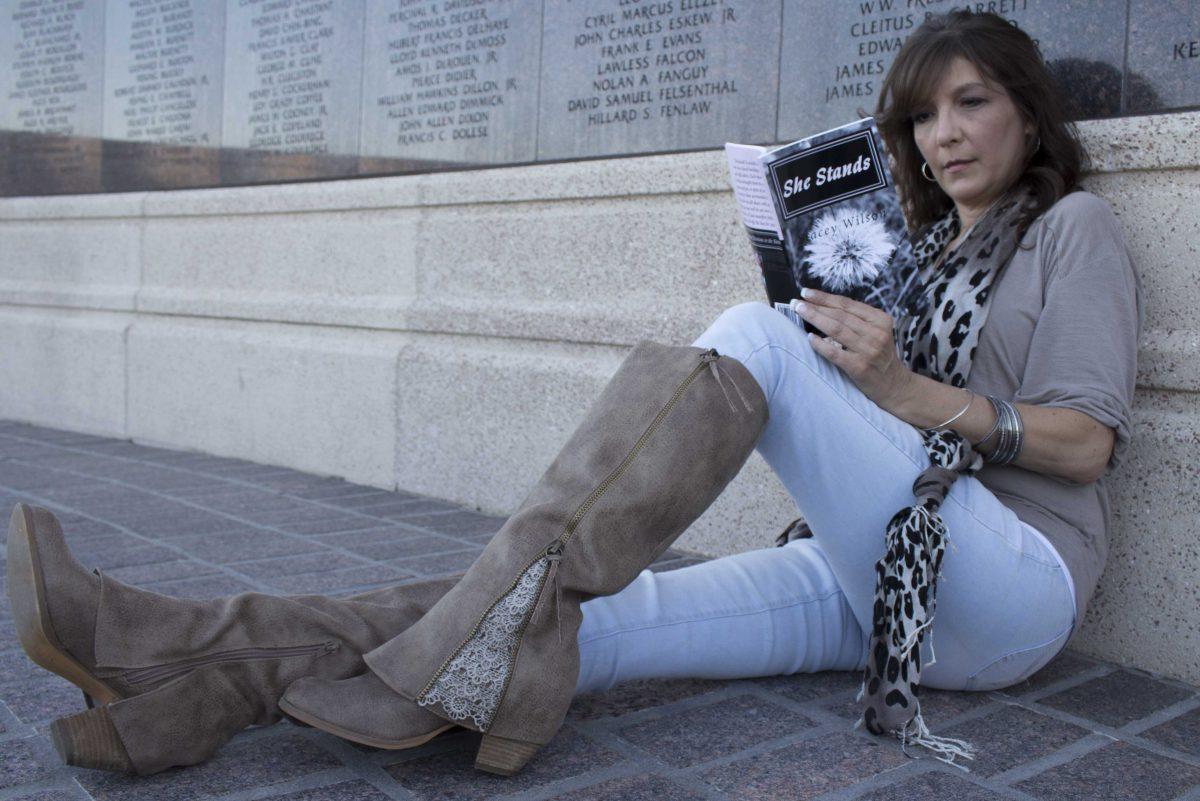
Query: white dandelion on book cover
x: 847, y: 248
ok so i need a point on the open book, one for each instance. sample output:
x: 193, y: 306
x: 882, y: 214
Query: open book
x: 822, y: 212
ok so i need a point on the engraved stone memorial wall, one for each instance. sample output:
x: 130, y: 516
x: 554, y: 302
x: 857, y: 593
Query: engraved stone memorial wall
x: 620, y: 76
x: 162, y: 93
x: 120, y: 95
x: 450, y: 84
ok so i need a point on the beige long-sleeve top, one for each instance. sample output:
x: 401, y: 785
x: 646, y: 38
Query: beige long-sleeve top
x: 1063, y: 330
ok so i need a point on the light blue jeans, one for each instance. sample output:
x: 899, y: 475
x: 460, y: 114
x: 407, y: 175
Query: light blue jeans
x: 1004, y: 604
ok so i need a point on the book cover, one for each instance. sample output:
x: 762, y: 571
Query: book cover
x: 838, y: 226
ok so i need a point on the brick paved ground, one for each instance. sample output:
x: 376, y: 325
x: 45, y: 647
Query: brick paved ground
x: 193, y: 525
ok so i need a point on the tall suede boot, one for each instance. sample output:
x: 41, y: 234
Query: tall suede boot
x: 498, y: 653
x: 177, y: 678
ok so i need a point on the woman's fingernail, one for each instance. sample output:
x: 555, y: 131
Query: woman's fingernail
x: 805, y: 292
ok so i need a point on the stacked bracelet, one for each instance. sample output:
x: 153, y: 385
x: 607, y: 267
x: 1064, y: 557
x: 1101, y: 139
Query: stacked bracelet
x: 1012, y: 432
x: 995, y: 425
x: 960, y: 414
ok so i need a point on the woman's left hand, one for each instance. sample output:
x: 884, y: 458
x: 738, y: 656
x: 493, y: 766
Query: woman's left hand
x: 868, y: 351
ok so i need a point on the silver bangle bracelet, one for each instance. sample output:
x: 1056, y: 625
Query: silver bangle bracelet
x: 960, y: 414
x: 1011, y: 432
x: 1004, y: 440
x: 1020, y: 431
x: 998, y: 410
x: 995, y: 425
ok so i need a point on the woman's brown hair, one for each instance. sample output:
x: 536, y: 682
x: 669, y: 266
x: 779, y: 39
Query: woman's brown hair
x: 1004, y: 55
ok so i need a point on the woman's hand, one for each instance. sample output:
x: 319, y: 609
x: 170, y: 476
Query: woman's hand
x: 860, y: 341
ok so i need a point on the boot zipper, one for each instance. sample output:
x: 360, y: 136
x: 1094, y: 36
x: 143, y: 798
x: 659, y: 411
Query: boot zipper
x: 553, y: 550
x: 709, y: 356
x: 171, y: 670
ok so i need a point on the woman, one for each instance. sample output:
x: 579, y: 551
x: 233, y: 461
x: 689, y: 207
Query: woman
x: 560, y: 603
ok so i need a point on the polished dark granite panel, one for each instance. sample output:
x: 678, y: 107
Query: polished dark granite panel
x: 162, y: 93
x: 836, y: 54
x: 1011, y: 736
x: 1164, y: 55
x: 636, y: 695
x: 703, y: 733
x: 448, y: 774
x: 343, y: 791
x: 5, y: 160
x: 1115, y: 772
x: 41, y: 696
x: 932, y: 785
x: 628, y: 77
x: 801, y: 687
x: 19, y: 764
x: 1118, y: 698
x: 52, y: 164
x: 644, y: 787
x: 805, y: 769
x: 1181, y: 733
x: 282, y: 756
x: 293, y: 74
x: 455, y: 86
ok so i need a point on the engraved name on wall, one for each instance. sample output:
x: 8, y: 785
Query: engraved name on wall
x: 451, y: 80
x: 622, y: 76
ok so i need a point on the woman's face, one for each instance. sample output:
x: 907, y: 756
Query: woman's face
x: 973, y: 121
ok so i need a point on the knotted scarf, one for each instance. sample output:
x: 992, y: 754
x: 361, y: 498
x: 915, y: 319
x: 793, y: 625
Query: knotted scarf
x: 936, y: 323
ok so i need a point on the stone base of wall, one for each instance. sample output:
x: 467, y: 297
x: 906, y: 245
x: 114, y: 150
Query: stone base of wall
x: 445, y: 333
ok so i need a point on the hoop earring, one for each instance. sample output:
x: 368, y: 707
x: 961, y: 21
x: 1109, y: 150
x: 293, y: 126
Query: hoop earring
x: 928, y: 176
x: 1038, y: 146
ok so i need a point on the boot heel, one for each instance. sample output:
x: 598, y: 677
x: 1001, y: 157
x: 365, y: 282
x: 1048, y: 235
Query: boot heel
x: 89, y: 740
x: 503, y: 756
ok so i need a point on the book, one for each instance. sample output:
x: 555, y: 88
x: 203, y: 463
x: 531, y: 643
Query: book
x: 822, y: 212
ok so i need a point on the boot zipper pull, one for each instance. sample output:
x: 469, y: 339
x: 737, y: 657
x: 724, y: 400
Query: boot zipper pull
x: 745, y: 402
x: 711, y: 356
x: 554, y: 554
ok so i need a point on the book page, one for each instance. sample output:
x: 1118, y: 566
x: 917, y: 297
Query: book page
x: 749, y: 182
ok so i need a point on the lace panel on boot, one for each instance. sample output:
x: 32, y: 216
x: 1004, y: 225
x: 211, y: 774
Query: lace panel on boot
x: 471, y: 684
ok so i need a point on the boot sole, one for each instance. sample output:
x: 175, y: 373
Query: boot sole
x: 357, y: 737
x: 27, y: 595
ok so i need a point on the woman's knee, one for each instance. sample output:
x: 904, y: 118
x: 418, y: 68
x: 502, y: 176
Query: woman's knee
x: 750, y: 314
x: 752, y: 324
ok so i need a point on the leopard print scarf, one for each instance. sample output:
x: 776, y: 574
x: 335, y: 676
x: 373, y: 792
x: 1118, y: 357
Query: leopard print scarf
x: 936, y: 323
x: 938, y: 319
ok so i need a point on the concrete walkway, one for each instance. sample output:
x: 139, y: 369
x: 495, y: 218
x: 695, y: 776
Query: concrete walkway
x: 193, y: 525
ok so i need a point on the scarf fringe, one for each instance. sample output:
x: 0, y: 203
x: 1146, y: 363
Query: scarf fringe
x: 939, y: 745
x: 949, y: 746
